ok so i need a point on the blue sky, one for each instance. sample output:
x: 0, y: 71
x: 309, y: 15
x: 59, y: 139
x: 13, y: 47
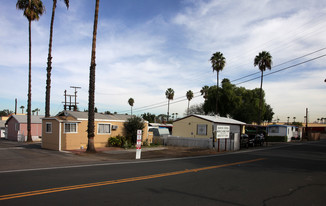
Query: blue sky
x: 147, y: 46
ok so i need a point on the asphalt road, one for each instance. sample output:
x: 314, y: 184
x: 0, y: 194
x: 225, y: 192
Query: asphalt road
x: 287, y: 174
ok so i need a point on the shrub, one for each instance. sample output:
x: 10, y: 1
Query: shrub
x: 117, y: 141
x: 276, y: 139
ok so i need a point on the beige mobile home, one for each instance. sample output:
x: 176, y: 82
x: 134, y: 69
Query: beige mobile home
x: 68, y: 130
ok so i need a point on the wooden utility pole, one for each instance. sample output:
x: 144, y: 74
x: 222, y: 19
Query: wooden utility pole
x: 306, y: 122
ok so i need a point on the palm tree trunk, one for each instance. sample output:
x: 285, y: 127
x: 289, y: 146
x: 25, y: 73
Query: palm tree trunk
x: 91, y: 98
x: 188, y: 107
x: 168, y: 109
x: 260, y: 97
x: 29, y: 95
x: 216, y: 110
x: 49, y: 67
x: 131, y: 110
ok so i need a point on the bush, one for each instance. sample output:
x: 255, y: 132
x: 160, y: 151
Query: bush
x: 130, y: 128
x: 276, y: 139
x: 118, y: 141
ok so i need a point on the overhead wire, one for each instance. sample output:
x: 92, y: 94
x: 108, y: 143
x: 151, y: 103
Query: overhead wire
x: 182, y: 98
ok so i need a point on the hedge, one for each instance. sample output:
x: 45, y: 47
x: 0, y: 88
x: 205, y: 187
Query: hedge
x: 276, y: 139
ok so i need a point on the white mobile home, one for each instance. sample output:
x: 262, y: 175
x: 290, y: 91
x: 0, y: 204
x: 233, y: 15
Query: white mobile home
x: 289, y: 131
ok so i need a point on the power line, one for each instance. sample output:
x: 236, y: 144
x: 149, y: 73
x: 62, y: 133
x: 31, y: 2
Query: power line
x: 161, y: 104
x: 283, y: 69
x: 282, y: 63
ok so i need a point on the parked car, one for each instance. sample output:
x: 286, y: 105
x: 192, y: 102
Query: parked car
x: 244, y: 141
x: 256, y: 139
x: 260, y: 139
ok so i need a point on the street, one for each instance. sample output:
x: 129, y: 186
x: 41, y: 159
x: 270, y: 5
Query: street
x: 285, y: 174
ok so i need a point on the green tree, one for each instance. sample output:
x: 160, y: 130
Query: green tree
x: 5, y: 112
x: 218, y: 63
x: 238, y: 103
x: 49, y: 64
x: 91, y: 93
x: 33, y: 9
x: 162, y: 118
x: 264, y: 61
x: 149, y: 117
x: 169, y: 93
x: 195, y: 109
x: 204, y: 91
x: 130, y: 128
x: 131, y: 102
x: 189, y: 96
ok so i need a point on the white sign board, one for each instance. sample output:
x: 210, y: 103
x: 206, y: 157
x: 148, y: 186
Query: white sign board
x: 222, y: 132
x: 138, y: 145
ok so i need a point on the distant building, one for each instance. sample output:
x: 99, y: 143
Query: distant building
x: 17, y: 128
x: 2, y: 129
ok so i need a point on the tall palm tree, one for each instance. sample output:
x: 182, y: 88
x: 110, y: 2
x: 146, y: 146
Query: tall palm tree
x: 218, y: 63
x: 204, y: 91
x: 189, y: 96
x: 91, y: 91
x: 49, y: 64
x: 33, y: 9
x: 264, y: 61
x: 131, y: 102
x: 169, y: 93
x: 22, y: 108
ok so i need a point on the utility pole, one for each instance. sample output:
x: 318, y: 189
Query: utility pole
x: 306, y: 122
x: 74, y: 87
x: 15, y: 106
x: 70, y: 105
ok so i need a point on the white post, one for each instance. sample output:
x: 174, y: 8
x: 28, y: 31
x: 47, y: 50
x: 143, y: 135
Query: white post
x: 138, y: 145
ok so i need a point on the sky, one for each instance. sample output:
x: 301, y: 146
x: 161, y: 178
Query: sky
x: 145, y: 47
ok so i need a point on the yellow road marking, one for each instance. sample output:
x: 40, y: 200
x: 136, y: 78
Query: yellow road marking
x: 110, y: 182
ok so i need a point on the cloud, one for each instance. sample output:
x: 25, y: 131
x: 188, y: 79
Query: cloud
x: 141, y: 59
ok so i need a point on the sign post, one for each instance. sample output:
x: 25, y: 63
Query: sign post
x: 138, y: 145
x: 222, y: 132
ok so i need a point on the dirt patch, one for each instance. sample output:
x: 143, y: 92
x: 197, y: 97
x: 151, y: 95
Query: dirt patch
x: 130, y: 154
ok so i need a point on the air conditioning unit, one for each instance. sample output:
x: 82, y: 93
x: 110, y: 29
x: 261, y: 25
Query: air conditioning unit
x: 114, y: 127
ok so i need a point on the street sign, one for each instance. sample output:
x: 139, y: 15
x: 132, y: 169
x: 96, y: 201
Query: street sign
x: 138, y: 145
x: 222, y: 132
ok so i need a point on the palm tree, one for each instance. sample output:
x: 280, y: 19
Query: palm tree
x: 91, y: 93
x: 204, y: 91
x: 218, y: 63
x: 33, y: 9
x: 264, y: 61
x: 189, y: 96
x: 131, y: 103
x: 22, y: 108
x: 169, y: 93
x: 37, y: 110
x: 49, y: 64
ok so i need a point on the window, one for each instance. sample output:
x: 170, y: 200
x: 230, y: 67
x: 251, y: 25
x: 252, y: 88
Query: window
x: 71, y: 127
x: 274, y: 129
x: 48, y: 127
x: 202, y: 129
x: 103, y: 128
